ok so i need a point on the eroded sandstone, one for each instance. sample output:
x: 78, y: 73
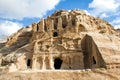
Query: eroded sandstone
x: 66, y: 40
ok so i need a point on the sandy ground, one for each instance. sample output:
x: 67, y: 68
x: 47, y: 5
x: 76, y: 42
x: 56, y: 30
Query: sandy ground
x: 97, y: 74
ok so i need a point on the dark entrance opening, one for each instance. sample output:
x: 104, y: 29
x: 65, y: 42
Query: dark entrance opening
x: 57, y: 63
x: 55, y: 34
x: 94, y: 61
x: 29, y: 62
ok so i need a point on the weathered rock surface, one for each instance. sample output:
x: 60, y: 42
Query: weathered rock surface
x: 99, y: 74
x: 118, y: 30
x: 66, y: 40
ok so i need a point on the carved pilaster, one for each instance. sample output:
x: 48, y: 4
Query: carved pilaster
x: 43, y: 61
x: 41, y: 25
x: 69, y: 22
x: 36, y: 48
x: 34, y: 26
x: 59, y: 25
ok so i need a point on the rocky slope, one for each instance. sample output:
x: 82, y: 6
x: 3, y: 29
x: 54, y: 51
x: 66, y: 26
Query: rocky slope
x: 98, y: 74
x: 118, y: 30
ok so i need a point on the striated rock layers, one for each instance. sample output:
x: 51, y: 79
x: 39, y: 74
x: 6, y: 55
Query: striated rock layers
x: 66, y: 40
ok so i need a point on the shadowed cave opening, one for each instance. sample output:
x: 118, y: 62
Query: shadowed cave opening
x: 55, y: 34
x: 94, y: 61
x: 29, y: 62
x: 57, y: 63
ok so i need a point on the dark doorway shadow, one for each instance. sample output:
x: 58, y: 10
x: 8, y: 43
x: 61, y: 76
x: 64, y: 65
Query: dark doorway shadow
x: 57, y: 63
x: 29, y: 63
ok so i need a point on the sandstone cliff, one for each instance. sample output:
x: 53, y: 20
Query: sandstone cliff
x: 118, y: 30
x: 66, y: 40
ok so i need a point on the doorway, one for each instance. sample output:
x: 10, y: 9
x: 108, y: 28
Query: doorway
x: 94, y: 61
x: 29, y: 63
x: 57, y: 63
x: 55, y: 34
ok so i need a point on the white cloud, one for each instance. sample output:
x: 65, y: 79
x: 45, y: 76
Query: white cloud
x: 117, y: 26
x: 17, y: 9
x: 7, y: 28
x: 20, y: 9
x: 109, y: 9
x: 87, y: 12
x: 104, y: 15
x: 104, y: 6
x: 116, y: 23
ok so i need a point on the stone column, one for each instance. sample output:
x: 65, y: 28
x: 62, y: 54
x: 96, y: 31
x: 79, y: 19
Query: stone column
x: 77, y: 25
x: 34, y: 63
x: 43, y: 66
x: 52, y: 25
x: 51, y: 28
x: 51, y: 62
x: 59, y: 25
x: 69, y: 25
x: 34, y: 26
x: 1, y: 59
x: 41, y: 25
x: 36, y: 48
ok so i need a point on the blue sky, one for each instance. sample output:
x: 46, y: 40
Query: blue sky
x: 15, y: 14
